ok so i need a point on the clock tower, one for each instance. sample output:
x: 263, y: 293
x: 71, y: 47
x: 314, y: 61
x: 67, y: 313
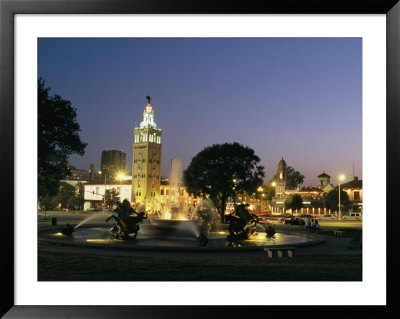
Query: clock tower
x: 146, y: 162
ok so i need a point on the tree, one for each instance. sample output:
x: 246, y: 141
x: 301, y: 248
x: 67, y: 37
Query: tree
x: 269, y: 189
x: 65, y: 194
x: 297, y: 203
x: 293, y: 202
x: 221, y: 170
x: 332, y: 200
x: 57, y: 139
x: 47, y: 202
x: 294, y: 178
x: 112, y: 198
x: 77, y: 200
x: 287, y: 202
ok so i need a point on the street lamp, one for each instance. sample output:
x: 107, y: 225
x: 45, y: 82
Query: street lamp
x: 105, y: 185
x: 260, y: 190
x: 341, y: 178
x: 120, y: 177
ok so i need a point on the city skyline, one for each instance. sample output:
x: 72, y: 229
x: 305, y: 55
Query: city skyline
x: 299, y: 99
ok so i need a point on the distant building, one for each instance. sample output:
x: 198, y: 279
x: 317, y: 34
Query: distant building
x: 94, y: 195
x: 82, y: 175
x: 355, y: 193
x: 281, y: 179
x: 323, y: 180
x: 313, y: 197
x: 112, y: 162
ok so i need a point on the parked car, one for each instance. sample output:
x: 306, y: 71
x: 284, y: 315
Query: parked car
x: 283, y: 220
x: 352, y: 216
x: 295, y: 221
x: 91, y: 209
x: 328, y: 217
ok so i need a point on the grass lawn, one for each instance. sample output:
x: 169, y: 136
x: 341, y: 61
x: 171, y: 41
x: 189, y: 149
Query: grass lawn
x: 85, y: 267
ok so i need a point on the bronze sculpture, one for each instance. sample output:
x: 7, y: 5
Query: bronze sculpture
x: 125, y: 223
x: 242, y: 224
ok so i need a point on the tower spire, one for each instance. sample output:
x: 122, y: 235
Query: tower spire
x: 148, y: 98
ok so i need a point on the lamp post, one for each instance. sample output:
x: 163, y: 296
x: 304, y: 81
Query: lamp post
x: 341, y: 178
x: 260, y: 190
x: 273, y: 184
x: 105, y: 187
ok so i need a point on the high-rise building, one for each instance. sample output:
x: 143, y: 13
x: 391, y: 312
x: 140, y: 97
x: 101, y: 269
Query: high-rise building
x: 112, y: 162
x: 146, y: 162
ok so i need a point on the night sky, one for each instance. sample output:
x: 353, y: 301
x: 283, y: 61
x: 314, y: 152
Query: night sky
x: 300, y: 99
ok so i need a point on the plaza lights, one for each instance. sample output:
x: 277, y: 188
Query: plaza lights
x: 341, y: 178
x: 120, y: 176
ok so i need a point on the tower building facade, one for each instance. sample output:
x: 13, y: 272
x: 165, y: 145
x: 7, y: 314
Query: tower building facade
x: 146, y: 162
x: 281, y: 178
x: 323, y: 180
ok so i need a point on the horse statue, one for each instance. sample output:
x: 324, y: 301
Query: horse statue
x: 125, y: 223
x: 68, y: 230
x: 270, y: 231
x: 207, y: 217
x: 242, y: 224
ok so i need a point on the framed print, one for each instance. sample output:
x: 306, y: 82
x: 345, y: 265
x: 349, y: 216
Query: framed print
x: 299, y: 84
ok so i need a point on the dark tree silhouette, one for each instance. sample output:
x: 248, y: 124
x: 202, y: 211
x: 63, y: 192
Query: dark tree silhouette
x: 57, y: 139
x: 332, y: 200
x: 294, y: 178
x: 221, y: 170
x: 293, y: 202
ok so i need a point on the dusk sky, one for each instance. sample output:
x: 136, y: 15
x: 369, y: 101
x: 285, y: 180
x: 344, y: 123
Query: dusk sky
x: 300, y: 98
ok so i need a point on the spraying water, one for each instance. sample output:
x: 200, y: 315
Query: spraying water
x: 191, y: 227
x: 92, y: 217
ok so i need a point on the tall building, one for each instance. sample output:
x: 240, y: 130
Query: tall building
x: 112, y: 162
x: 281, y: 177
x: 146, y: 163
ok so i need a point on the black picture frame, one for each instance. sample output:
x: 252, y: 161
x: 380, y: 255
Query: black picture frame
x: 9, y: 8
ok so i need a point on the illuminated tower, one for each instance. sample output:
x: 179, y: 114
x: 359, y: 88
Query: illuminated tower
x: 281, y: 177
x: 146, y: 163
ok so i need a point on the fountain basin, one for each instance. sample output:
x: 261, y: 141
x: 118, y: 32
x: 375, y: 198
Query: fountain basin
x: 173, y: 228
x: 100, y: 237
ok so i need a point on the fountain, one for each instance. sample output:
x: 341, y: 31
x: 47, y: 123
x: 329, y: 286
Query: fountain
x: 176, y: 227
x: 174, y: 221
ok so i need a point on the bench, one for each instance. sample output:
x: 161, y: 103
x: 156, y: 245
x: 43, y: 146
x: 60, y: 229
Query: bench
x: 280, y: 252
x: 338, y: 233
